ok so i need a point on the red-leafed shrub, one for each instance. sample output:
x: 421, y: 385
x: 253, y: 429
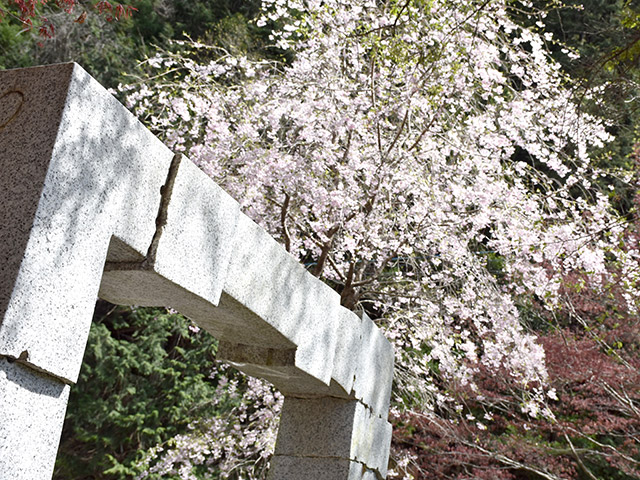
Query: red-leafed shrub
x: 33, y: 13
x: 590, y: 425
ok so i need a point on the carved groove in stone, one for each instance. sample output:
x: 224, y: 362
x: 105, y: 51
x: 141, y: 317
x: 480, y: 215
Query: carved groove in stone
x: 10, y: 105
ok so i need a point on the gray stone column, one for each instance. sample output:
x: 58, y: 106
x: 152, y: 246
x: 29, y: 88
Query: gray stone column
x: 329, y: 438
x: 32, y: 408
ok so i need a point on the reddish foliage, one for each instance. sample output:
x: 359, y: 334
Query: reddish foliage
x: 29, y: 13
x: 597, y: 424
x: 593, y: 358
x: 46, y: 29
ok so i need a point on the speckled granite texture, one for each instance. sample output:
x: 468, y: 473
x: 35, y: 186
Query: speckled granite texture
x: 32, y: 408
x: 77, y: 168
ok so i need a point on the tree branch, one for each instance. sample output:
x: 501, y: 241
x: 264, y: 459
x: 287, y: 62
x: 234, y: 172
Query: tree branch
x: 395, y: 139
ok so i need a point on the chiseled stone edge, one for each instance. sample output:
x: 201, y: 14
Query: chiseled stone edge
x: 76, y: 204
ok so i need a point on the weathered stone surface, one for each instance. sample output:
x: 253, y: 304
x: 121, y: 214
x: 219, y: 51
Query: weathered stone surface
x: 348, y: 353
x: 374, y: 373
x: 266, y: 281
x: 188, y: 258
x: 326, y: 427
x: 370, y: 475
x: 277, y: 366
x: 363, y: 363
x: 375, y: 441
x: 77, y: 169
x: 332, y: 427
x: 306, y: 468
x: 286, y: 376
x: 269, y: 299
x: 196, y: 245
x: 32, y: 408
x: 247, y: 329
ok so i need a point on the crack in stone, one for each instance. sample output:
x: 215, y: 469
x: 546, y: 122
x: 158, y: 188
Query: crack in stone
x: 23, y: 359
x: 161, y: 220
x: 166, y: 192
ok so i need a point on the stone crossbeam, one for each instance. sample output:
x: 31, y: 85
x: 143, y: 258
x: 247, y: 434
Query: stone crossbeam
x: 92, y: 204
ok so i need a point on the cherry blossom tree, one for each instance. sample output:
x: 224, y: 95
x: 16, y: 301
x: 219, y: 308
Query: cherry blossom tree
x: 424, y: 158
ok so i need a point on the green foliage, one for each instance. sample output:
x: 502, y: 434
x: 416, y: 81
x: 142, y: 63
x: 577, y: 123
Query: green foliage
x: 606, y: 36
x: 111, y: 51
x: 11, y: 42
x: 145, y: 376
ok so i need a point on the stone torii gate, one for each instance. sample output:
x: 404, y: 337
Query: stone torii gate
x: 94, y: 205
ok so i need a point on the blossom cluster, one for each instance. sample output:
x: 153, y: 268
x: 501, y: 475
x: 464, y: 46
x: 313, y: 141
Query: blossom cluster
x: 236, y: 444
